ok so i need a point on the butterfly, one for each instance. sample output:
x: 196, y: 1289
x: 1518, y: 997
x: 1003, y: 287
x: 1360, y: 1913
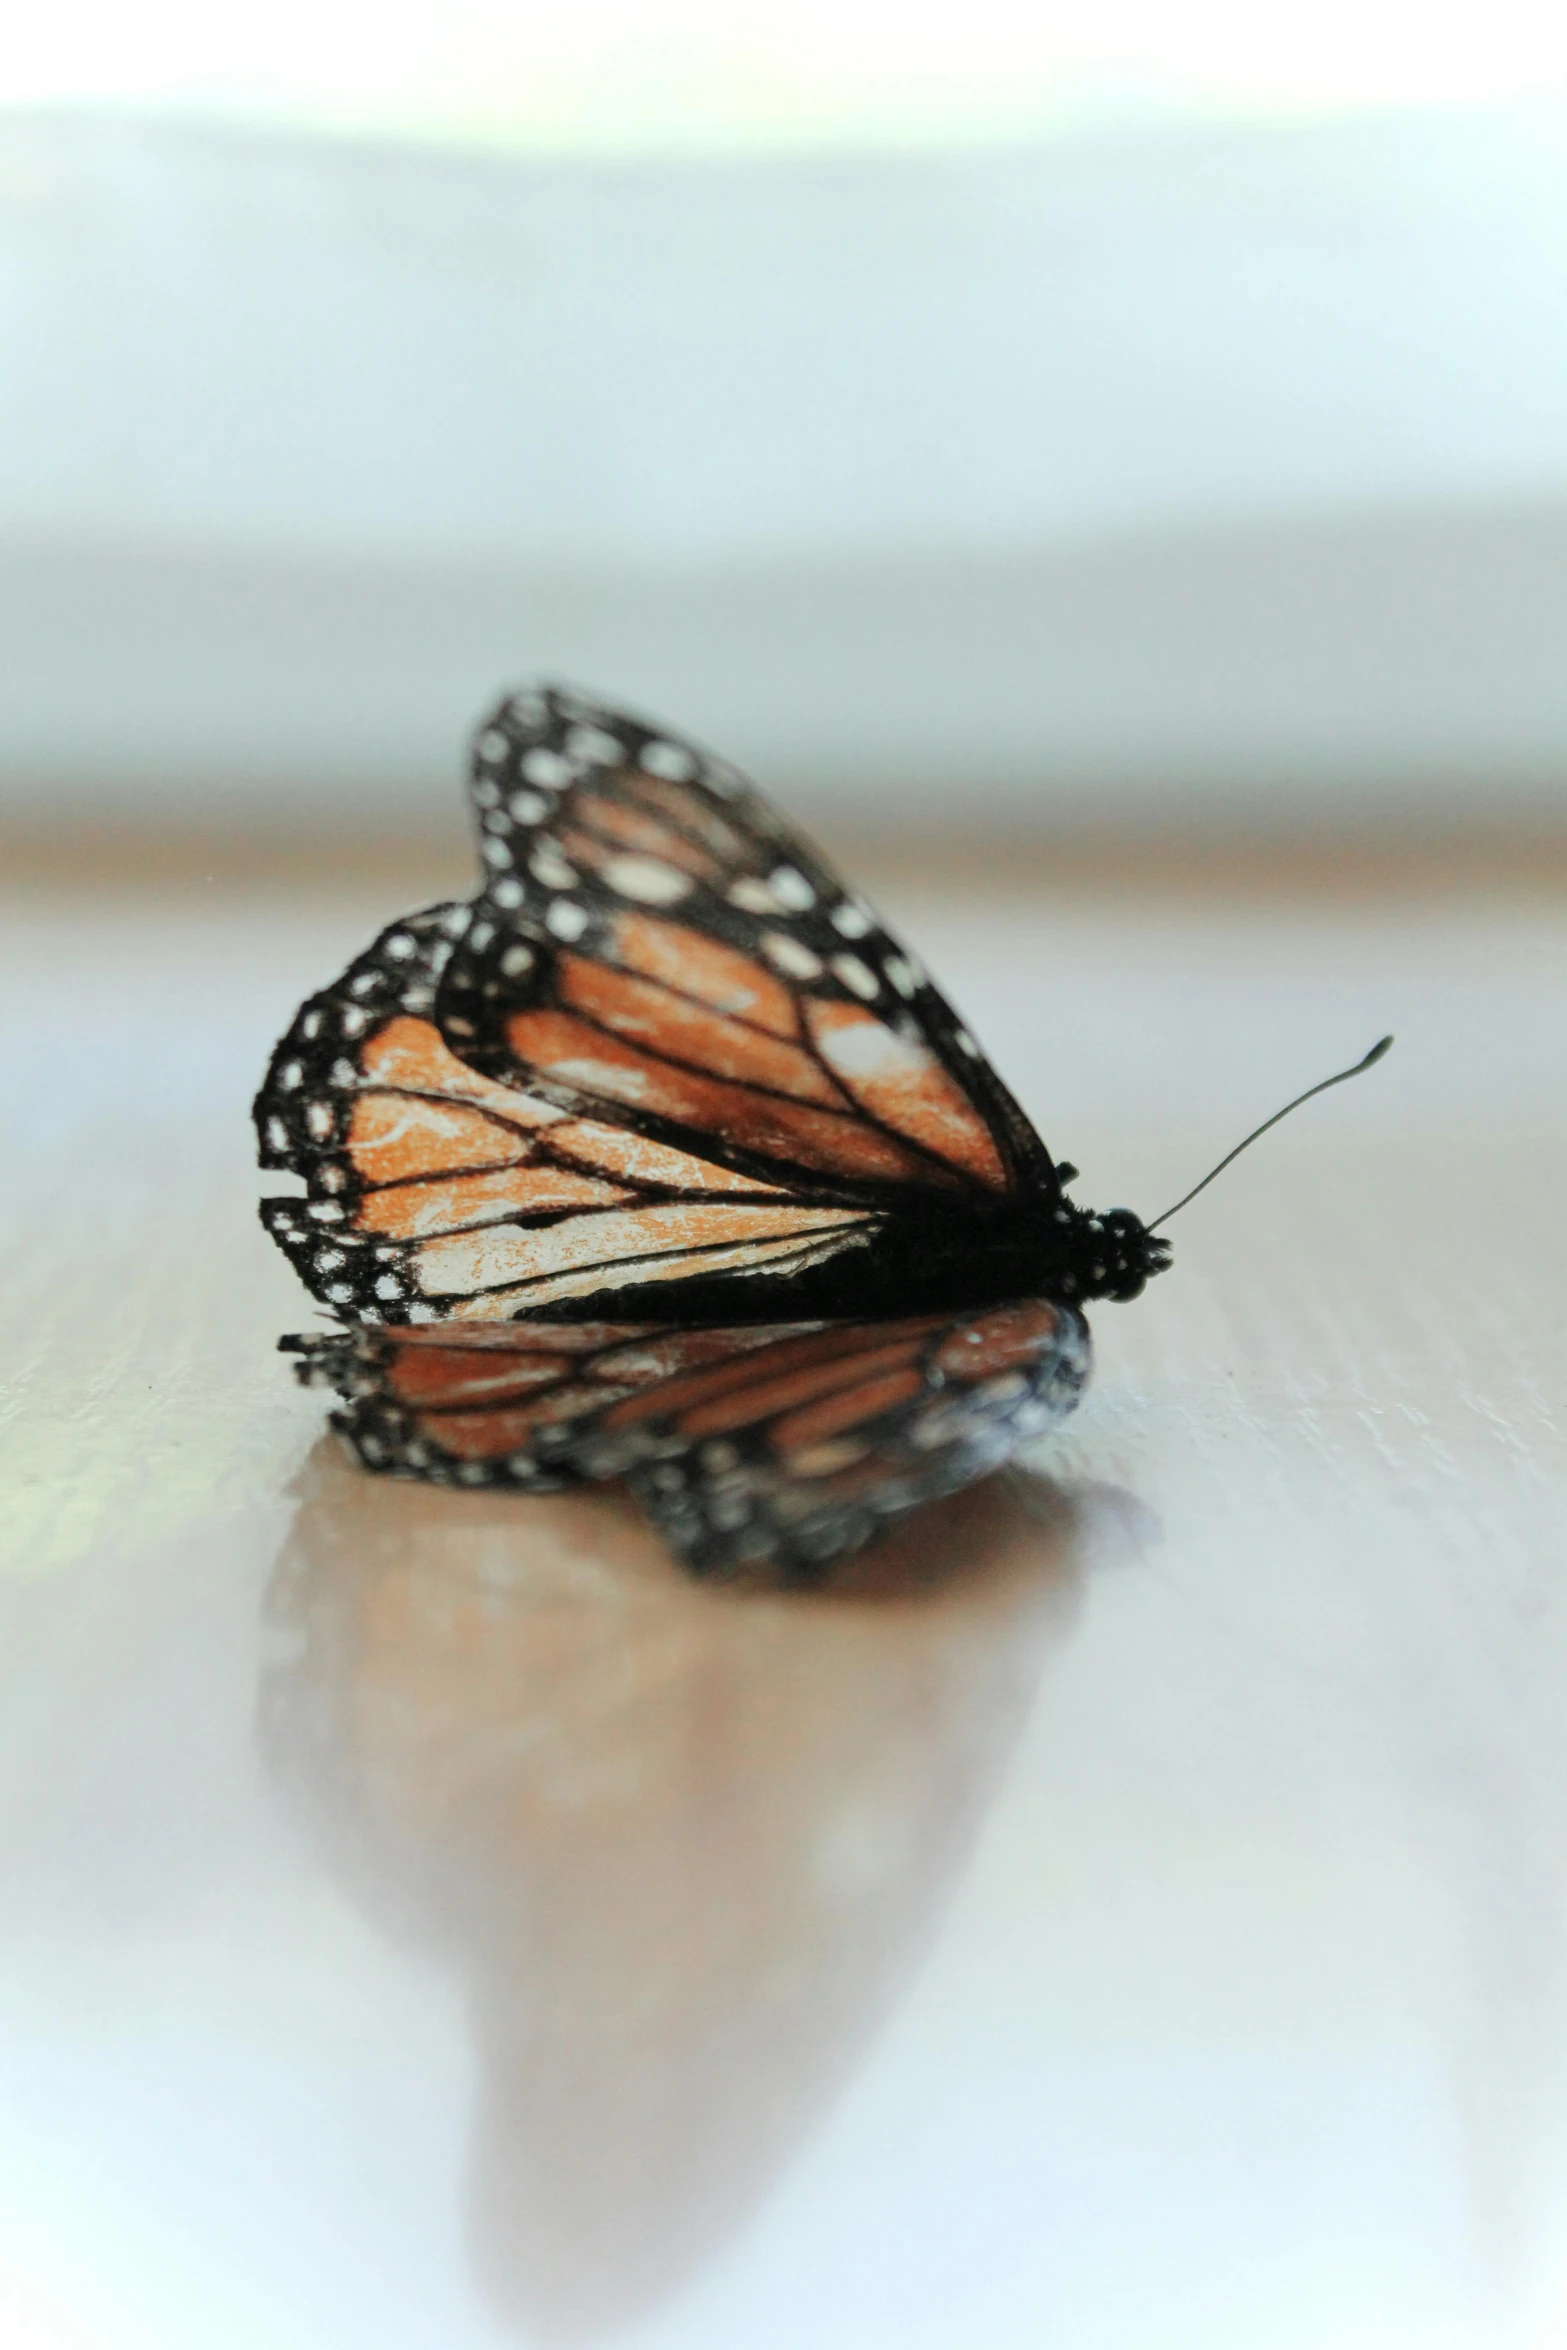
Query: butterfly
x: 662, y: 1158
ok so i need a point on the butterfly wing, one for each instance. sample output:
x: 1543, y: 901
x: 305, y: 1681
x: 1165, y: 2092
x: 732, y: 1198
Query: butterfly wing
x: 780, y: 1448
x: 434, y: 1192
x: 654, y: 945
x: 663, y: 1047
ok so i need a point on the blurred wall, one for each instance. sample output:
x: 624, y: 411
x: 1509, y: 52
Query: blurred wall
x: 1217, y: 472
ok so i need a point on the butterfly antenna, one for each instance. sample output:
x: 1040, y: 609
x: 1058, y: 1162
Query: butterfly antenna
x: 1385, y: 1045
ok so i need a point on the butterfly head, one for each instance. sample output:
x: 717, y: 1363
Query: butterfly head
x: 1114, y: 1254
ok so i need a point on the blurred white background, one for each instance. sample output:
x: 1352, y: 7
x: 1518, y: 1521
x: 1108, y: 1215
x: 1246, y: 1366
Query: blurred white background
x: 1041, y: 412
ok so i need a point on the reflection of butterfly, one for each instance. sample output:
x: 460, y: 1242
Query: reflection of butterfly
x: 663, y: 1066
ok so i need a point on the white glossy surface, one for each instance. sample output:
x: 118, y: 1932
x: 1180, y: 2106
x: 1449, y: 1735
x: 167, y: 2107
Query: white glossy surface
x: 1133, y: 1915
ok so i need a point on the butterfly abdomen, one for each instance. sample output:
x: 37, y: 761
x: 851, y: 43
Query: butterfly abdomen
x: 933, y: 1263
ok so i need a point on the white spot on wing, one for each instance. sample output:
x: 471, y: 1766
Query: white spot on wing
x: 667, y: 760
x: 851, y: 920
x: 548, y: 865
x: 858, y: 977
x: 869, y: 1050
x: 566, y: 918
x: 791, y: 889
x: 648, y: 879
x: 546, y: 767
x: 791, y: 956
x: 595, y: 746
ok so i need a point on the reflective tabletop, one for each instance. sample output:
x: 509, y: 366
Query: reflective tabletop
x: 1124, y: 1912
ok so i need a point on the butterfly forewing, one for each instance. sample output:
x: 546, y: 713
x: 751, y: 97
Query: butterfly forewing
x: 751, y: 1447
x: 654, y: 945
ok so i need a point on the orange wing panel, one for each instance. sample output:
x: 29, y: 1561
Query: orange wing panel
x: 478, y: 1436
x: 393, y: 1137
x: 833, y: 1345
x: 661, y: 1354
x: 1007, y: 1336
x: 758, y: 1399
x: 586, y: 1058
x: 668, y: 1024
x: 500, y: 1254
x: 624, y: 828
x: 848, y: 1408
x: 715, y: 974
x: 691, y: 812
x: 416, y: 1211
x: 619, y: 1150
x: 436, y: 1375
x: 409, y: 1053
x: 902, y: 1082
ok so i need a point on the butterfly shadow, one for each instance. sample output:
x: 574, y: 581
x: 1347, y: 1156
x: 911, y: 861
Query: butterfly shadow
x: 686, y: 1843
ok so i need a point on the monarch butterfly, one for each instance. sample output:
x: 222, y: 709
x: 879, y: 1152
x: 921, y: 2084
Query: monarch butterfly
x: 661, y: 1157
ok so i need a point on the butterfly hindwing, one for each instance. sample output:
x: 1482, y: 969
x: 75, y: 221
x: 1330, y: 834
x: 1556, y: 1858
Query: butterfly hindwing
x: 776, y: 1448
x: 655, y: 944
x: 434, y: 1192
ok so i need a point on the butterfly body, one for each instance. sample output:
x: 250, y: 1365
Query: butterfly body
x: 664, y: 1073
x: 923, y: 1264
